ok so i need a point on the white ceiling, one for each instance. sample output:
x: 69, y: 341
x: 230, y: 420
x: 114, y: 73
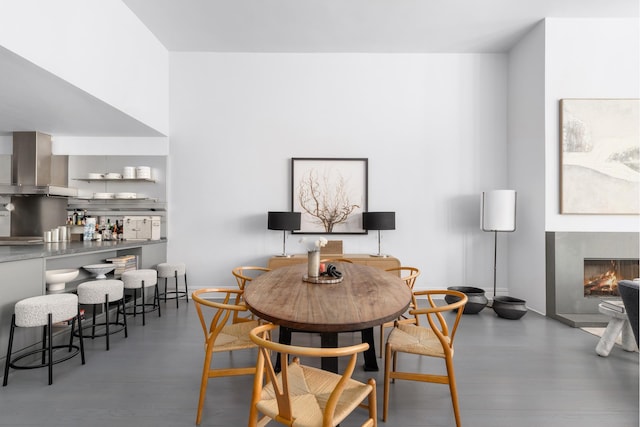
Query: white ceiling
x: 33, y: 99
x: 357, y: 25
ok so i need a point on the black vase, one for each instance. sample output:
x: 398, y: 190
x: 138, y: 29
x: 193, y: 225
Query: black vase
x: 509, y: 307
x: 476, y: 299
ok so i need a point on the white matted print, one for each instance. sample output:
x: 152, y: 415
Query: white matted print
x: 600, y: 156
x: 330, y: 194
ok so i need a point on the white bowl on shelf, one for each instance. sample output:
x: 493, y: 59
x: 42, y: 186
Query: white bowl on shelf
x: 100, y: 270
x: 113, y: 175
x: 57, y: 279
x: 95, y: 175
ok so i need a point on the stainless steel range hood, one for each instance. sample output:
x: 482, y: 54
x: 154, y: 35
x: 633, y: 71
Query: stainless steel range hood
x: 35, y: 170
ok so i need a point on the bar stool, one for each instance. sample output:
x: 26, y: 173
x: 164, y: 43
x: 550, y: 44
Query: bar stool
x: 45, y: 311
x: 139, y: 280
x: 103, y: 293
x: 174, y: 270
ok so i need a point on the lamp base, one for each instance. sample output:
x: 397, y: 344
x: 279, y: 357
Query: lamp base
x: 284, y: 255
x: 380, y: 255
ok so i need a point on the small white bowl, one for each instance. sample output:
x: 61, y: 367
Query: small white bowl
x: 100, y: 270
x: 95, y: 175
x: 57, y: 279
x: 113, y: 175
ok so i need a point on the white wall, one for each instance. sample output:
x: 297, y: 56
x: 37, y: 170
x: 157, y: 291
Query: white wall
x: 526, y: 163
x: 586, y: 58
x: 559, y: 58
x: 432, y: 126
x: 99, y: 46
x: 109, y: 146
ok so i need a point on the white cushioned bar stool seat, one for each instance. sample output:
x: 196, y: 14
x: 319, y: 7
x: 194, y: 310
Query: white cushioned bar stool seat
x: 104, y: 293
x: 45, y: 311
x: 173, y: 270
x: 140, y: 280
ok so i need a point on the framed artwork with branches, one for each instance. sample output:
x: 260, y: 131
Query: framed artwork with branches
x: 330, y: 194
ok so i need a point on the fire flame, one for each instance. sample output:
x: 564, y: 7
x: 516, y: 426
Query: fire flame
x: 606, y: 282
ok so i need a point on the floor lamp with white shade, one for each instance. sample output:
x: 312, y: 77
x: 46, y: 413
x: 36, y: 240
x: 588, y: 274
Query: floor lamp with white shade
x: 498, y: 214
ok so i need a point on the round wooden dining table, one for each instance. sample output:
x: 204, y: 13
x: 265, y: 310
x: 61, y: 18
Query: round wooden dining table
x: 366, y: 297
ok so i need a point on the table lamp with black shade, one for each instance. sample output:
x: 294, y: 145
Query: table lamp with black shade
x: 285, y: 221
x: 379, y: 221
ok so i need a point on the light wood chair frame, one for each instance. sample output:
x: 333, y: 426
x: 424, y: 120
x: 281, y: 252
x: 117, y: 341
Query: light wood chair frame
x: 280, y: 381
x: 212, y: 329
x: 444, y: 334
x: 411, y: 274
x: 242, y: 279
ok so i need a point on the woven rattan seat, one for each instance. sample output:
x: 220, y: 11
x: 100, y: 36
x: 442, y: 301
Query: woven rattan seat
x: 215, y: 308
x: 305, y: 396
x: 244, y: 275
x: 435, y: 340
x: 409, y: 275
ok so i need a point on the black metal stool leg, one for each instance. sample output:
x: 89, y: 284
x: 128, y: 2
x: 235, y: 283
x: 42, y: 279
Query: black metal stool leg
x: 124, y: 319
x: 186, y: 288
x: 50, y: 348
x: 44, y: 344
x: 156, y: 297
x: 135, y: 302
x: 8, y: 359
x: 143, y: 308
x: 106, y: 317
x: 80, y: 337
x: 165, y: 289
x: 93, y: 327
x: 177, y: 294
x: 73, y: 322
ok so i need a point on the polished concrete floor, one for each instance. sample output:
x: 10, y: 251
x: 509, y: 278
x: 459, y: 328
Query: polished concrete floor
x: 530, y: 372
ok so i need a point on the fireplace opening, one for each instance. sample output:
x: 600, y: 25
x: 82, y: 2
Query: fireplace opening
x: 601, y: 276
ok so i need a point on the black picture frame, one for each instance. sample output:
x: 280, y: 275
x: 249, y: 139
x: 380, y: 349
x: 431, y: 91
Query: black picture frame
x: 330, y: 194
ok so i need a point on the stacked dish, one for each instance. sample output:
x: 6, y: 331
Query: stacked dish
x: 103, y: 195
x: 113, y: 175
x: 125, y: 195
x: 95, y: 175
x: 143, y: 172
x: 129, y: 172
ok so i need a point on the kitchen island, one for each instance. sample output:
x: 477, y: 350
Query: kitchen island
x: 22, y: 273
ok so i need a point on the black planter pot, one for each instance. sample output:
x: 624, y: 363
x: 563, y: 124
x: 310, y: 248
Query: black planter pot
x: 509, y: 307
x: 476, y: 299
